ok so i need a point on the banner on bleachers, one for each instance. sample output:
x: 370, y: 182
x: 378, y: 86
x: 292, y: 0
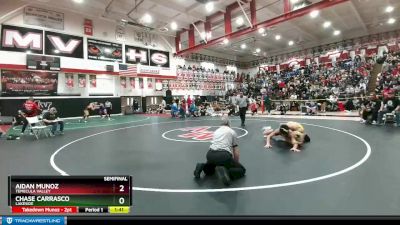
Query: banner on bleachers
x: 93, y: 81
x: 330, y: 58
x: 63, y: 45
x: 132, y: 81
x: 82, y: 80
x: 123, y: 82
x: 69, y: 80
x: 28, y: 83
x: 104, y: 50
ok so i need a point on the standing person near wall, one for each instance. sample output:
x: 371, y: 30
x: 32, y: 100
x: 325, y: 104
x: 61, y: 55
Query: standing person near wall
x: 108, y: 106
x: 267, y: 103
x: 242, y: 102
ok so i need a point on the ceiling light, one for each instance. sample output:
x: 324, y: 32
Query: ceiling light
x: 243, y: 46
x: 239, y: 21
x: 261, y: 30
x: 78, y: 1
x: 209, y: 6
x: 278, y: 37
x: 327, y: 24
x: 264, y: 34
x: 226, y: 41
x: 174, y: 26
x: 147, y: 18
x: 389, y: 9
x: 258, y: 50
x: 291, y: 43
x: 391, y: 21
x: 314, y: 13
x: 336, y: 32
x: 203, y: 35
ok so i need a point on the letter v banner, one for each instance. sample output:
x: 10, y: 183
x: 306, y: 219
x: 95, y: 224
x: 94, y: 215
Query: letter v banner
x: 63, y: 45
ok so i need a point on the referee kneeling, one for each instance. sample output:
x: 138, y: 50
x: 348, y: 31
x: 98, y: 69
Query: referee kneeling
x: 223, y: 156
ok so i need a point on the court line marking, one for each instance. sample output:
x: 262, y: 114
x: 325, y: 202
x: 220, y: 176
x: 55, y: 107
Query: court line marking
x: 102, y: 125
x: 260, y: 187
x: 194, y: 141
x: 63, y: 173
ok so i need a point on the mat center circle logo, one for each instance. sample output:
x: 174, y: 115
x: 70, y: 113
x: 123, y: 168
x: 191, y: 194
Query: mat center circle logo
x: 197, y: 134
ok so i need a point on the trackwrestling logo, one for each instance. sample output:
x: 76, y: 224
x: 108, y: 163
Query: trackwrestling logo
x: 28, y: 220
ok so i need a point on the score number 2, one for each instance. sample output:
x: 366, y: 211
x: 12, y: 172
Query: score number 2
x: 121, y: 200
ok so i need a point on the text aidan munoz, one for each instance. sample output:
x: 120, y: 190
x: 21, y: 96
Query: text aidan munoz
x: 37, y: 189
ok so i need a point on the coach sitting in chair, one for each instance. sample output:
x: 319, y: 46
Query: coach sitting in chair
x: 51, y: 118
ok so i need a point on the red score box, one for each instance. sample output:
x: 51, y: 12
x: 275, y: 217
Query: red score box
x: 44, y: 209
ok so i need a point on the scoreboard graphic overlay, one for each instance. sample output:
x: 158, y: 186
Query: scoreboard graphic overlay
x: 69, y: 195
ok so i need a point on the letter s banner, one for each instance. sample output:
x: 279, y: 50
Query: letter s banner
x: 159, y: 58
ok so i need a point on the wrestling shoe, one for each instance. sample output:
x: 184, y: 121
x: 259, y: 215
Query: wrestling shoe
x: 198, y: 170
x: 223, y: 176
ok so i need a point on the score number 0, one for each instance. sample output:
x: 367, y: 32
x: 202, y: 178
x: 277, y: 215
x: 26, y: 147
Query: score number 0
x: 122, y: 199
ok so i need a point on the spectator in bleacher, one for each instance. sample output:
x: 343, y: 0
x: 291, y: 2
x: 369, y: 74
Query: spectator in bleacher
x: 231, y: 109
x: 135, y: 105
x: 202, y: 110
x: 198, y: 101
x: 311, y: 108
x: 390, y: 104
x: 209, y: 110
x: 182, y: 109
x: 189, y: 101
x: 253, y: 107
x: 370, y: 108
x: 19, y: 119
x: 267, y: 103
x: 51, y: 118
x: 175, y: 109
x: 193, y: 110
x: 160, y: 109
x: 163, y: 104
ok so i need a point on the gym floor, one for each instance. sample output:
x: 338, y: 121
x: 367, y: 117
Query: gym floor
x: 348, y: 168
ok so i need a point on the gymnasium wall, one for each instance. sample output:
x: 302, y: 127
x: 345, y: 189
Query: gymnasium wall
x: 66, y: 107
x: 102, y: 30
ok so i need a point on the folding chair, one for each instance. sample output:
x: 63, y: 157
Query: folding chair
x: 389, y: 117
x: 38, y: 128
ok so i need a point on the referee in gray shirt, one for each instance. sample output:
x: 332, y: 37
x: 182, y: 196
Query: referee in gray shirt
x: 223, y: 155
x: 242, y: 102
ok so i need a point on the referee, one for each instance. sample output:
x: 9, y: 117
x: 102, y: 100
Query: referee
x: 108, y: 106
x: 242, y: 102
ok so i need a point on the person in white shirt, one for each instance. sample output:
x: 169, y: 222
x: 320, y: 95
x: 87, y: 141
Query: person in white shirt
x: 108, y: 106
x: 223, y: 156
x: 243, y: 103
